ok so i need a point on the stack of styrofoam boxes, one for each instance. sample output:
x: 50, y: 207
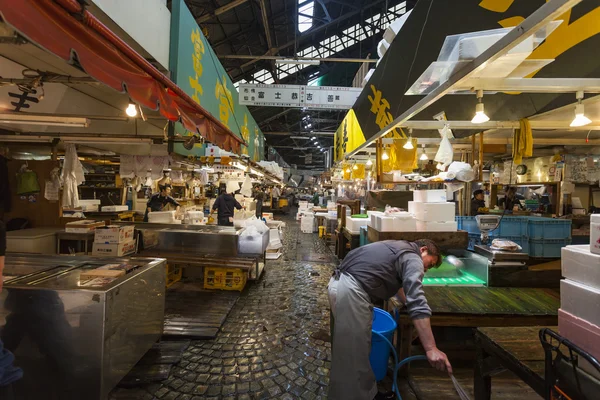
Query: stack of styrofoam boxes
x: 307, y: 223
x: 304, y: 207
x: 353, y: 225
x: 114, y: 241
x: 432, y: 211
x: 397, y: 222
x: 275, y: 245
x: 579, y: 313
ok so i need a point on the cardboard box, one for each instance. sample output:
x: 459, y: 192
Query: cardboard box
x: 114, y: 250
x: 113, y: 234
x: 100, y: 273
x: 115, y: 208
x: 83, y: 226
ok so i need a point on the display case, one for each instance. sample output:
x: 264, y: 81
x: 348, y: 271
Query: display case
x: 77, y: 325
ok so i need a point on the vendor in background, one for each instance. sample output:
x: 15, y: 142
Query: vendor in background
x: 477, y: 202
x: 315, y: 198
x: 510, y: 199
x: 275, y: 195
x: 158, y: 201
x: 224, y: 206
x: 8, y: 373
x: 259, y: 195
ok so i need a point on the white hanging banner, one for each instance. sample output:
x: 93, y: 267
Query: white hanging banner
x: 323, y: 97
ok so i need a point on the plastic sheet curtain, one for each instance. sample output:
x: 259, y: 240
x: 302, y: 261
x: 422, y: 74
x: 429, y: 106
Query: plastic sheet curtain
x: 401, y: 159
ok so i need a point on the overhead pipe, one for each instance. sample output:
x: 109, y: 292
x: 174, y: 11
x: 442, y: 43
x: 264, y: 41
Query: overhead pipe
x: 74, y: 7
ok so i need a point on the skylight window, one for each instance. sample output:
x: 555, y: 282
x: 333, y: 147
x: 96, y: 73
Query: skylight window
x: 306, y: 10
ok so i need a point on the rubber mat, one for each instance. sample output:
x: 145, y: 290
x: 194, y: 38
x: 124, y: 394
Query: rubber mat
x: 195, y: 313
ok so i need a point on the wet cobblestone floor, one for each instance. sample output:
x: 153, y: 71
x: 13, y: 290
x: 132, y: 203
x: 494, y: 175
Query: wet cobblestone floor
x: 274, y: 343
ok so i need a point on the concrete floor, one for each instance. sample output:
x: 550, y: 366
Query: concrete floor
x: 275, y: 342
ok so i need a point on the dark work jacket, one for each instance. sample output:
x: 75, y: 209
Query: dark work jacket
x: 375, y: 266
x: 225, y: 204
x: 476, y: 205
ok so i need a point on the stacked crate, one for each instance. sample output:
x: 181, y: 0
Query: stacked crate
x: 539, y: 237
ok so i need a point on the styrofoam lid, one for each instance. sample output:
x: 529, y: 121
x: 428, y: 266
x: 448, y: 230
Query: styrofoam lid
x: 595, y: 218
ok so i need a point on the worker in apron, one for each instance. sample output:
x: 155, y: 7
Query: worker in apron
x: 377, y: 272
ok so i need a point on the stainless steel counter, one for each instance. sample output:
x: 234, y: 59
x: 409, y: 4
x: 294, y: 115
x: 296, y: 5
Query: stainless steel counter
x: 76, y: 342
x: 203, y: 239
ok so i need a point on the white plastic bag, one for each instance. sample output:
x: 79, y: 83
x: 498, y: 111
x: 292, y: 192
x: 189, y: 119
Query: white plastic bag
x: 462, y: 171
x: 445, y: 153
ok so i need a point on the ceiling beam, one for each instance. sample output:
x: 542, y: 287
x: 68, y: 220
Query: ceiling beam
x: 268, y: 57
x: 274, y: 117
x: 220, y: 10
x: 466, y: 125
x: 540, y: 18
x: 316, y: 30
x: 296, y: 133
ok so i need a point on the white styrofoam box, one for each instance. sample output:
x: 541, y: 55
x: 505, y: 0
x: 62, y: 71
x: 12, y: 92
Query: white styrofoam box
x: 428, y: 226
x: 274, y: 234
x: 433, y: 212
x: 112, y: 234
x: 32, y: 240
x: 385, y: 224
x: 331, y: 205
x: 90, y: 205
x: 580, y: 300
x: 354, y: 224
x: 595, y: 235
x: 114, y: 208
x: 405, y: 224
x: 332, y: 213
x: 303, y: 204
x: 429, y: 196
x: 114, y: 249
x: 580, y: 265
x: 267, y: 216
x: 373, y: 218
x: 580, y: 332
x: 161, y: 217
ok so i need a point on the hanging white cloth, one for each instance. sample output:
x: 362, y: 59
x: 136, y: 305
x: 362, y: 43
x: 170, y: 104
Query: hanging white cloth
x: 203, y: 177
x: 72, y: 176
x: 246, y: 189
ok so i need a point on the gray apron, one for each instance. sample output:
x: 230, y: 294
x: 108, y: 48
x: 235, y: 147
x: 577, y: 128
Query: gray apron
x: 351, y: 376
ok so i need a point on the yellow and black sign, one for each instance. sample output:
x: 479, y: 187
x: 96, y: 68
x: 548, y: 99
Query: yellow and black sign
x: 348, y: 136
x: 572, y: 46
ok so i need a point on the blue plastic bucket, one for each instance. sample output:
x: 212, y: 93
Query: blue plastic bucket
x: 384, y: 324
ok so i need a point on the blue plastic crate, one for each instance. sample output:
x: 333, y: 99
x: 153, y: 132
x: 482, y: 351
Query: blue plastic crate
x: 513, y: 226
x: 468, y: 224
x: 549, y: 228
x: 547, y: 248
x: 363, y: 238
x: 475, y: 239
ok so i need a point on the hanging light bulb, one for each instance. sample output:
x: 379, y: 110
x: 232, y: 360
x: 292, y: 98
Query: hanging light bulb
x: 424, y: 155
x: 385, y: 156
x: 131, y: 110
x: 355, y: 167
x: 348, y: 170
x: 480, y: 116
x: 409, y: 144
x: 580, y: 119
x: 369, y: 162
